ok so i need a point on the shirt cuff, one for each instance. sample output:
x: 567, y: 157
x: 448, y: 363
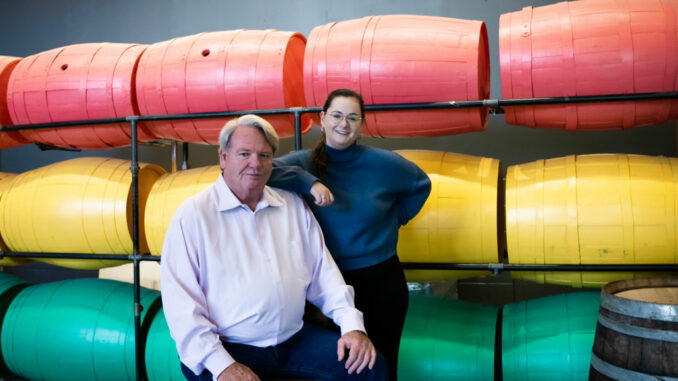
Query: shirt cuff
x: 217, y: 361
x: 354, y: 322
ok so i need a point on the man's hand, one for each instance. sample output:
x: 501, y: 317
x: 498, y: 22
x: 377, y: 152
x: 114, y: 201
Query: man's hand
x: 237, y: 372
x: 361, y: 351
x: 321, y: 194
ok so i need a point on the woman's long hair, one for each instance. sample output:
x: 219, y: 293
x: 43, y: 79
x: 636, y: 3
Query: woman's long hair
x: 319, y: 153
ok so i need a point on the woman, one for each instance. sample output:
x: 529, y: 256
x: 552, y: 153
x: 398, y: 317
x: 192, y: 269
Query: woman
x: 361, y: 197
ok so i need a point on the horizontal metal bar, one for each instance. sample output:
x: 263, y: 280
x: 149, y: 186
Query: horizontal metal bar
x: 495, y: 106
x: 535, y: 267
x: 113, y: 257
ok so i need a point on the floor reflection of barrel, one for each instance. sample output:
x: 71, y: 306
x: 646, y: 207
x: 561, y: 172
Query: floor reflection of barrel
x: 80, y: 329
x: 549, y: 338
x: 592, y: 209
x: 637, y: 332
x: 596, y: 47
x: 221, y: 71
x: 162, y: 359
x: 167, y: 194
x: 447, y: 339
x: 403, y: 59
x: 460, y: 221
x: 81, y: 205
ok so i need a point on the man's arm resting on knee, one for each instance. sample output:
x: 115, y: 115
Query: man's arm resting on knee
x: 361, y: 352
x: 237, y: 372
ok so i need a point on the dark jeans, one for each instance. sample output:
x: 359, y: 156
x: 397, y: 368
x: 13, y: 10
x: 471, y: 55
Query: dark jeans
x: 310, y: 353
x: 381, y: 294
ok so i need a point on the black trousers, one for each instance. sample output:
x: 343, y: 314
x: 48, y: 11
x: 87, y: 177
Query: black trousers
x: 381, y: 294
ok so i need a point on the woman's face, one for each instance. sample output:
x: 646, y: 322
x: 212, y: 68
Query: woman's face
x: 342, y: 122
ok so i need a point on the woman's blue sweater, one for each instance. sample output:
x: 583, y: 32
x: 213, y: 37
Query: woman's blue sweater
x: 375, y: 192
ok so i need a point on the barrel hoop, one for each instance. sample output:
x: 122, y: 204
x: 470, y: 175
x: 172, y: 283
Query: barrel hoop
x: 642, y: 332
x: 640, y: 322
x: 639, y: 309
x: 622, y: 374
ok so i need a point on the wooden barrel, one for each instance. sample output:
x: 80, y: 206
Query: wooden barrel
x: 221, y: 71
x: 167, y: 194
x: 403, y: 59
x: 637, y: 332
x: 7, y: 139
x: 595, y: 47
x: 81, y: 205
x: 592, y: 209
x: 460, y: 221
x: 77, y: 82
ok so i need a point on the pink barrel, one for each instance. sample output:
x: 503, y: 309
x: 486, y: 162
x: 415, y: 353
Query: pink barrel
x: 403, y: 59
x: 221, y: 71
x: 77, y: 82
x: 7, y: 139
x: 592, y: 47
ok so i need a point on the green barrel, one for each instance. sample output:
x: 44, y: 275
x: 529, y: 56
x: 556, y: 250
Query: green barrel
x: 549, y: 338
x: 79, y: 329
x: 447, y: 340
x: 10, y: 286
x: 162, y: 359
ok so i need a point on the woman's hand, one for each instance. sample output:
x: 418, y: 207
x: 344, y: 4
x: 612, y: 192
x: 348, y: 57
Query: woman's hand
x: 321, y: 194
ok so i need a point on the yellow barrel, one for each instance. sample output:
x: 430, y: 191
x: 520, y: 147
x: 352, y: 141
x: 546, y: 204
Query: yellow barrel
x: 167, y: 194
x: 459, y: 221
x: 5, y: 181
x: 81, y: 205
x: 592, y: 209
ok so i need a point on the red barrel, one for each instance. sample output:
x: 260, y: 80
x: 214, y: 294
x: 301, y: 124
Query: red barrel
x: 7, y: 139
x: 77, y: 82
x: 593, y: 47
x: 403, y: 59
x: 221, y: 71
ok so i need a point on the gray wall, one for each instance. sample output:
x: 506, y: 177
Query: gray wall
x: 33, y: 26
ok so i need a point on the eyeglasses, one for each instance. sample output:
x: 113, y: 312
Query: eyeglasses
x: 336, y: 118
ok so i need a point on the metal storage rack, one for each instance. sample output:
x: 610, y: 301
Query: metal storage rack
x: 495, y: 106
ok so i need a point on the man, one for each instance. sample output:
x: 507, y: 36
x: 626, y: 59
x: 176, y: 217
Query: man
x: 238, y: 262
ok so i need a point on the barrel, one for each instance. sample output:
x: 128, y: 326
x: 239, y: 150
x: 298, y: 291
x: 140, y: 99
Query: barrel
x: 167, y: 194
x: 221, y: 71
x: 549, y: 338
x: 79, y: 329
x: 403, y: 59
x: 461, y: 219
x: 7, y: 139
x: 162, y: 359
x: 447, y: 339
x: 10, y: 286
x: 592, y: 209
x: 81, y: 205
x: 5, y: 181
x: 149, y: 274
x: 595, y: 47
x: 77, y: 82
x: 637, y: 331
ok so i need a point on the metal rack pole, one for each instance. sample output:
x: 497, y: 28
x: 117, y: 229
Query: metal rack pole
x: 138, y: 339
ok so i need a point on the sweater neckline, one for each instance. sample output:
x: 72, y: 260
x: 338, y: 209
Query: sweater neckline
x: 342, y: 155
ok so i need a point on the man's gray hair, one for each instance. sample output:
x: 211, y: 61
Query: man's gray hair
x: 248, y: 120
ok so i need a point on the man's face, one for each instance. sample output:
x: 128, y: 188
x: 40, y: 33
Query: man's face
x: 247, y: 164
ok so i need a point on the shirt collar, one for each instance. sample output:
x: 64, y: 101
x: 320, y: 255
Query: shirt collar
x: 226, y: 200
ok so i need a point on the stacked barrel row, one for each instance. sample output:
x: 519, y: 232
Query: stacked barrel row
x: 588, y: 209
x: 249, y: 70
x: 573, y: 48
x: 442, y: 339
